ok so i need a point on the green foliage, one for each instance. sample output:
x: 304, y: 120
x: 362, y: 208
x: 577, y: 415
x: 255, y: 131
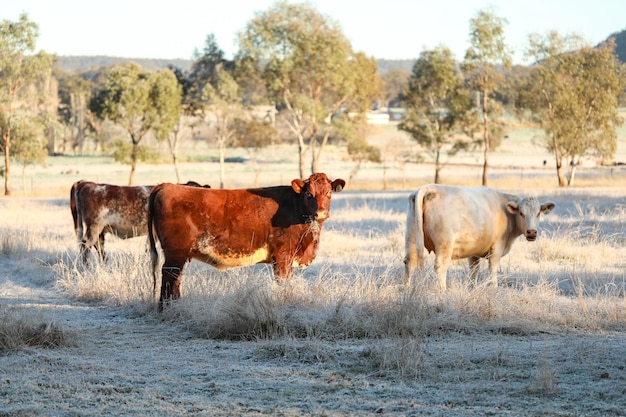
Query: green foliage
x: 139, y: 102
x: 487, y: 51
x: 439, y: 107
x: 20, y: 68
x: 123, y: 152
x: 255, y: 134
x: 309, y: 69
x: 573, y: 93
x: 354, y: 131
x: 29, y: 144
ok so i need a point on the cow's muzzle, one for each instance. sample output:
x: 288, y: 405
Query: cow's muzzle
x: 531, y: 235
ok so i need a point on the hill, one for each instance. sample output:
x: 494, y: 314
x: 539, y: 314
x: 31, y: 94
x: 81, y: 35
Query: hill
x: 620, y: 44
x: 74, y: 63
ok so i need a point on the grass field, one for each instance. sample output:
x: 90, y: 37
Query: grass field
x: 344, y: 337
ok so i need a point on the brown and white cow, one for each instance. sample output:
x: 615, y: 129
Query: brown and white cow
x: 240, y: 227
x: 104, y: 208
x: 463, y: 222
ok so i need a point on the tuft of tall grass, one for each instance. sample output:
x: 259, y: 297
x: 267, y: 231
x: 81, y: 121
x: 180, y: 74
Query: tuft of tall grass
x: 21, y: 328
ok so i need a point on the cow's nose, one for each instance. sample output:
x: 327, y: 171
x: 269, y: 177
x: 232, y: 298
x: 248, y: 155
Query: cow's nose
x: 531, y: 234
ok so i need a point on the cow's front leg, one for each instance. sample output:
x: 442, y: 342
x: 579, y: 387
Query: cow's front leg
x: 494, y: 262
x: 283, y: 270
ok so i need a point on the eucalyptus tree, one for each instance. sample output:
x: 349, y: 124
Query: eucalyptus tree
x: 439, y: 106
x: 75, y: 94
x: 140, y: 102
x: 20, y: 68
x: 488, y: 52
x: 573, y: 93
x: 309, y: 69
x: 393, y: 83
x: 225, y: 105
x: 28, y: 143
x: 215, y: 95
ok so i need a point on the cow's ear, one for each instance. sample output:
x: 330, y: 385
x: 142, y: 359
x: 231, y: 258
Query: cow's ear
x: 338, y: 185
x: 547, y: 207
x: 512, y: 207
x: 297, y: 185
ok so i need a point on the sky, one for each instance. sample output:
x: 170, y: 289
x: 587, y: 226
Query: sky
x: 383, y: 29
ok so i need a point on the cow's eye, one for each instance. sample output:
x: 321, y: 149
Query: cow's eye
x: 522, y: 214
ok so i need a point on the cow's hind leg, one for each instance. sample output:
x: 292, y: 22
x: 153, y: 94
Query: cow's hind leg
x: 171, y: 276
x: 443, y: 255
x: 84, y: 251
x: 474, y: 265
x: 100, y: 247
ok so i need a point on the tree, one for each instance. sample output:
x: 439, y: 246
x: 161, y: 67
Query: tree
x: 394, y: 82
x: 19, y: 69
x: 573, y: 93
x: 487, y: 51
x: 224, y: 103
x: 75, y: 94
x: 438, y: 105
x: 140, y: 102
x: 254, y: 135
x: 216, y: 96
x: 29, y: 145
x: 309, y: 69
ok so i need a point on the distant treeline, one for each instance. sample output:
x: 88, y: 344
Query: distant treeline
x: 73, y: 63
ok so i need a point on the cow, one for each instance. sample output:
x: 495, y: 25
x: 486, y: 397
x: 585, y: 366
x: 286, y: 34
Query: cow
x: 229, y: 228
x: 467, y: 222
x: 104, y: 208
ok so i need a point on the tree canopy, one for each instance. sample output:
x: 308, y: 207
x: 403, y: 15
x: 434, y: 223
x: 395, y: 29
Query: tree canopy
x: 20, y: 67
x: 309, y: 69
x: 438, y: 104
x: 573, y: 94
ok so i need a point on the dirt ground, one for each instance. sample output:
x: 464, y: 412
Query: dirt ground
x: 136, y: 366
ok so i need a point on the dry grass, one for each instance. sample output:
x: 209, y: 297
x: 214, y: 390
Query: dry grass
x: 21, y: 328
x: 571, y: 279
x: 337, y: 338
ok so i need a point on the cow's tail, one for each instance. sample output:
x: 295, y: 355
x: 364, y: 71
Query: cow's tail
x: 414, y: 238
x: 153, y: 237
x: 75, y: 209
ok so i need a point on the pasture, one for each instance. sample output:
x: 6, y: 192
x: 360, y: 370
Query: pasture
x: 344, y: 337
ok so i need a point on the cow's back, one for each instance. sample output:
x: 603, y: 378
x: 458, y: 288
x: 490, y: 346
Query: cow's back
x: 472, y: 220
x: 114, y: 209
x: 225, y: 228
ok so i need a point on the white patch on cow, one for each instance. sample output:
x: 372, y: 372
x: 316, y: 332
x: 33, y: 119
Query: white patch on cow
x: 220, y: 260
x: 296, y: 263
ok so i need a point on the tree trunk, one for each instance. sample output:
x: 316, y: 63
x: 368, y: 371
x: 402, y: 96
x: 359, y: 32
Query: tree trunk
x: 222, y: 153
x: 559, y: 173
x: 176, y: 168
x: 314, y: 163
x: 437, y: 167
x: 301, y: 152
x: 133, y: 164
x: 7, y: 163
x: 485, y: 137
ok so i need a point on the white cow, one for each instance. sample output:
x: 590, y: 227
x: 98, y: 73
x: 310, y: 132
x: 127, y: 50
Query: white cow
x: 463, y: 222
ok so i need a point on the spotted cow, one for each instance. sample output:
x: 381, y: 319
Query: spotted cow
x: 104, y: 208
